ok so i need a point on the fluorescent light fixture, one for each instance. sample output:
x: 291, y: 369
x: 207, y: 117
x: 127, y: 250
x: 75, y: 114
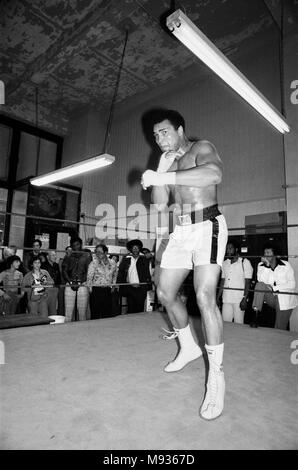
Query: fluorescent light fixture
x: 74, y: 170
x: 205, y: 50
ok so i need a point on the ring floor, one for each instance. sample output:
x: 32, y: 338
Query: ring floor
x: 100, y: 385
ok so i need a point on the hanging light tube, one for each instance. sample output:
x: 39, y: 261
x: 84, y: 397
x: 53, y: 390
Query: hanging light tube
x: 180, y: 25
x: 74, y: 170
x: 93, y: 163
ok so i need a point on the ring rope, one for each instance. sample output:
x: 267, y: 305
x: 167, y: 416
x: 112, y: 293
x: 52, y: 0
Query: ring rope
x: 124, y: 217
x: 119, y: 284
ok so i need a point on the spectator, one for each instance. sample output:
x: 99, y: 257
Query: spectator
x: 6, y: 253
x: 134, y: 269
x: 35, y: 284
x: 36, y: 252
x: 53, y: 294
x: 74, y: 271
x: 68, y: 250
x: 115, y: 292
x: 11, y: 277
x: 150, y: 257
x: 101, y: 271
x: 151, y: 300
x: 52, y: 267
x: 236, y: 273
x: 43, y: 257
x: 274, y: 275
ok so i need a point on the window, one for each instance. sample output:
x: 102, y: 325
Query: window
x: 18, y: 222
x: 3, y: 200
x: 31, y: 150
x: 5, y: 140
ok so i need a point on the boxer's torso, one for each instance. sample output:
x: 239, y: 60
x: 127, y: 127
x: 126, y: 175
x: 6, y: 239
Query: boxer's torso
x: 191, y: 197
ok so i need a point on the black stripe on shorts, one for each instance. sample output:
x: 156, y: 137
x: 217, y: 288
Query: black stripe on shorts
x: 214, y: 242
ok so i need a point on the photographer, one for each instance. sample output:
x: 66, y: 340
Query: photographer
x: 274, y: 275
x: 74, y: 271
x: 35, y: 284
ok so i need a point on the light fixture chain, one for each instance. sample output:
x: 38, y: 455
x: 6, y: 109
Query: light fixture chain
x: 36, y: 124
x: 109, y: 124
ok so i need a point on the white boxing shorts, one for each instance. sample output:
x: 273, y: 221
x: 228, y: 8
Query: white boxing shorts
x: 195, y: 244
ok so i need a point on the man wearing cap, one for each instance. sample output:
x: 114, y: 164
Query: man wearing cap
x: 134, y: 269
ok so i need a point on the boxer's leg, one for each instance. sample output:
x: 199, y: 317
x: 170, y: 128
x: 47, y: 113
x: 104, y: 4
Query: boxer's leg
x: 205, y: 283
x: 169, y: 284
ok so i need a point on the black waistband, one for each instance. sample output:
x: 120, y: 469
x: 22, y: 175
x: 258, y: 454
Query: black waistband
x: 206, y: 213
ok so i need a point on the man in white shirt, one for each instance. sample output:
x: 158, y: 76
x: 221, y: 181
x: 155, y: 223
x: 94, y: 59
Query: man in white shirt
x: 275, y: 275
x: 236, y: 273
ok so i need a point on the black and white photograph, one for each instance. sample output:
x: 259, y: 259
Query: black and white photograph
x: 148, y: 229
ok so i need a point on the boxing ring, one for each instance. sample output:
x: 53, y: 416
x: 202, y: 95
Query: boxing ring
x: 100, y: 384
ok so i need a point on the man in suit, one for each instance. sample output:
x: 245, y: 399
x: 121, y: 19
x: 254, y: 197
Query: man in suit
x: 134, y: 269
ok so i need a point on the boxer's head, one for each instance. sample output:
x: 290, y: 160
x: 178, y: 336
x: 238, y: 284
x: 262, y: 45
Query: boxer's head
x: 168, y: 129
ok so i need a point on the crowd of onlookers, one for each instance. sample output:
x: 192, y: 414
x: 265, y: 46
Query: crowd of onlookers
x: 266, y: 292
x: 89, y: 285
x: 81, y: 285
x: 258, y: 294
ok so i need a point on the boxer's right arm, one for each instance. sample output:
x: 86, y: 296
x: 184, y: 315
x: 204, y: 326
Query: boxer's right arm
x: 160, y: 194
x: 165, y: 162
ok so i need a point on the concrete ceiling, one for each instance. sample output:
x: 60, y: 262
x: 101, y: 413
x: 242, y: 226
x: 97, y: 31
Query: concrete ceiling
x: 65, y: 54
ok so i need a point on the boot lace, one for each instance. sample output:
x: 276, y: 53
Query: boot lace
x: 212, y: 387
x: 169, y: 334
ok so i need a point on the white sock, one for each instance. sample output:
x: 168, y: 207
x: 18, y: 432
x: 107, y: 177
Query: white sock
x: 213, y: 403
x: 189, y: 350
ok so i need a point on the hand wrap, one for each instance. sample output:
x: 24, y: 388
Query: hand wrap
x: 153, y: 178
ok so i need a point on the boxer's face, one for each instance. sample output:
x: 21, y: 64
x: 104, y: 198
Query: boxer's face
x: 166, y: 136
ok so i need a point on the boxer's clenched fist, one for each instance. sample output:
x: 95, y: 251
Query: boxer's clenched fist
x: 153, y: 178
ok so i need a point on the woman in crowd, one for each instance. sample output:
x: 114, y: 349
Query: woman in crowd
x: 34, y: 283
x: 10, y: 296
x: 101, y: 272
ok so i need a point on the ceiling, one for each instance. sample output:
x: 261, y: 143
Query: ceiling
x: 60, y: 56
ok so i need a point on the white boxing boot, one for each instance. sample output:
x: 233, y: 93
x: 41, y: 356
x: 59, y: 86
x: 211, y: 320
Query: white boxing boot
x: 189, y: 349
x: 213, y: 403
